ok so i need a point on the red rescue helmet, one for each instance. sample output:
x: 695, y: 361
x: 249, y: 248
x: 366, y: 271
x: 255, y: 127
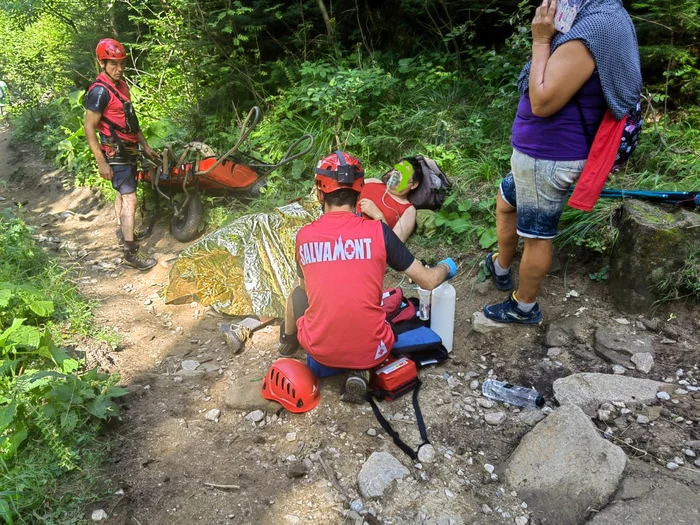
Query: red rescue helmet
x: 292, y: 384
x: 339, y: 171
x: 110, y: 49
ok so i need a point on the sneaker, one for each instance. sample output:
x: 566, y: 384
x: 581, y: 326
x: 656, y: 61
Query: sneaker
x: 138, y: 236
x: 503, y: 282
x: 138, y: 260
x: 508, y: 312
x: 356, y: 387
x: 235, y: 336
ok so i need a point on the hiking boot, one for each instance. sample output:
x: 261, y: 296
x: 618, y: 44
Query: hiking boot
x: 356, y: 387
x: 289, y: 343
x: 138, y: 236
x: 137, y: 259
x: 508, y: 312
x: 503, y: 282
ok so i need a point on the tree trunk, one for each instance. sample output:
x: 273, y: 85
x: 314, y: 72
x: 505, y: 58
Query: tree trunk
x: 326, y: 18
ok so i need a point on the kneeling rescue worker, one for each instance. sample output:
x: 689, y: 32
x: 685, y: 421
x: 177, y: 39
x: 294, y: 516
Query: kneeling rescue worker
x: 109, y: 111
x: 335, y: 312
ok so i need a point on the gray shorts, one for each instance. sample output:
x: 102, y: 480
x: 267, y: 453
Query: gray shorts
x: 124, y: 178
x: 542, y: 187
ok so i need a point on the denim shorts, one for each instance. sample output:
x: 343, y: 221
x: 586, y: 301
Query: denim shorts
x: 542, y: 187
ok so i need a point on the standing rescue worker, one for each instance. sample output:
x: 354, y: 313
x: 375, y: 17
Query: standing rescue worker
x: 336, y: 312
x: 110, y: 112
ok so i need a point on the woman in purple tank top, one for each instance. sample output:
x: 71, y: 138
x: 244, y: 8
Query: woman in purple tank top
x: 573, y: 79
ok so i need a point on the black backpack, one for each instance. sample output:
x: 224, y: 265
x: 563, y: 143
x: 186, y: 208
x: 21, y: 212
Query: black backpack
x: 435, y: 186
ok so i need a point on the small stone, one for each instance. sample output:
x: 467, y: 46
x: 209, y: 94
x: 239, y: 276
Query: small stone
x: 622, y: 320
x: 643, y: 361
x: 189, y: 364
x: 296, y: 469
x: 449, y: 493
x: 643, y: 420
x: 291, y: 436
x: 453, y: 382
x: 697, y: 463
x: 495, y: 418
x: 212, y: 415
x: 522, y: 520
x: 485, y: 403
x: 99, y: 515
x: 357, y: 505
x: 255, y: 416
x: 667, y: 341
x: 371, y: 432
x: 489, y: 468
x: 554, y: 351
x: 619, y: 370
x: 672, y: 466
x: 486, y: 509
x: 474, y: 385
x: 679, y: 461
x: 690, y: 453
x: 664, y: 396
x: 426, y: 454
x: 604, y: 415
x: 680, y: 392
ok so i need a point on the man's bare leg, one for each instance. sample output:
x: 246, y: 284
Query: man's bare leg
x: 118, y: 209
x: 506, y: 231
x: 536, y: 262
x: 128, y: 212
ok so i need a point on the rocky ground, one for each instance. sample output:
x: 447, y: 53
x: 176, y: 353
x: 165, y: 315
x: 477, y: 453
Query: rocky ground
x: 197, y: 443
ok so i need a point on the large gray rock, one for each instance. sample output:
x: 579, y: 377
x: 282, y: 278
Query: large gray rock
x: 618, y: 344
x: 484, y: 325
x: 377, y: 474
x: 563, y: 468
x: 653, y: 242
x: 245, y: 396
x: 565, y: 332
x: 646, y: 503
x: 589, y: 390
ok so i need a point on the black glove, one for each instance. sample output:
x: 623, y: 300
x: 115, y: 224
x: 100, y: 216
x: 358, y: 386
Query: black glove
x: 288, y: 342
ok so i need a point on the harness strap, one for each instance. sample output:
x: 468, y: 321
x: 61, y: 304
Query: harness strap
x: 413, y: 454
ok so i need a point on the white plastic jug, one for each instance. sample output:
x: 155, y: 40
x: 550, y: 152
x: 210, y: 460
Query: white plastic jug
x: 442, y: 313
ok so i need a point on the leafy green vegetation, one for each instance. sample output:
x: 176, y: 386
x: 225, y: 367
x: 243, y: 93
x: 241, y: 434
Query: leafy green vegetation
x: 50, y: 406
x: 685, y: 282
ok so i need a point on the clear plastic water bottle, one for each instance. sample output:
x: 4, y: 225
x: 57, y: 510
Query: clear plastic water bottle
x: 424, y: 304
x: 512, y: 394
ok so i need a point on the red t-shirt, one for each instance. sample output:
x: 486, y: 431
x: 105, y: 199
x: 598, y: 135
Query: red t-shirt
x: 391, y: 209
x: 101, y: 100
x: 343, y: 259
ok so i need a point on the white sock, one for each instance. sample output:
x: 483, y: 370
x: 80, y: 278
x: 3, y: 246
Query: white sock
x: 497, y: 267
x: 524, y: 307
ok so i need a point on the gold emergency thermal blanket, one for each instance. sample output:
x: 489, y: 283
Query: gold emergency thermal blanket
x: 247, y: 267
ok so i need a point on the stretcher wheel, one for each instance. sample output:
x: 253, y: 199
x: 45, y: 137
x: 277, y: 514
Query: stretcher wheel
x: 185, y: 226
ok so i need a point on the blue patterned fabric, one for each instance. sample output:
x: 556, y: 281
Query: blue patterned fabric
x: 608, y: 32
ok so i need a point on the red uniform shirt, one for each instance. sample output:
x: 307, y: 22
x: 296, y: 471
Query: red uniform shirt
x: 343, y: 259
x: 391, y: 209
x: 113, y: 110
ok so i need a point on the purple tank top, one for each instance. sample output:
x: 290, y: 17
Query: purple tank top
x: 561, y: 136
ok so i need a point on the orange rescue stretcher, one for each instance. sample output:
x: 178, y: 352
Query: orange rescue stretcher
x: 243, y: 173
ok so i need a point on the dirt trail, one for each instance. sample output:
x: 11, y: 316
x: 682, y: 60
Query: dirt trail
x: 166, y: 451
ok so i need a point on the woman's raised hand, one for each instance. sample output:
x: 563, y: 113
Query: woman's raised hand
x: 543, y: 24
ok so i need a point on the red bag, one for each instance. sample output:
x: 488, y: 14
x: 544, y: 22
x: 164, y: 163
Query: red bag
x: 394, y: 377
x: 397, y: 307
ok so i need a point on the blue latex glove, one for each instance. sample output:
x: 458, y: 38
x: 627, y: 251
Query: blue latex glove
x: 451, y: 265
